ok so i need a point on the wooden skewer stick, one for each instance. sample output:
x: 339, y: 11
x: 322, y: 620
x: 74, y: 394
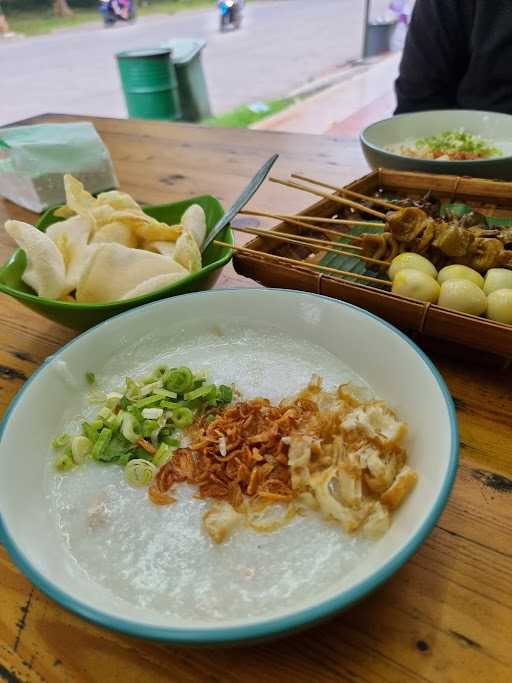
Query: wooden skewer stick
x: 302, y: 224
x: 320, y: 219
x: 303, y: 264
x: 327, y: 195
x: 293, y: 220
x: 349, y: 193
x: 271, y: 234
x: 307, y: 241
x: 312, y: 228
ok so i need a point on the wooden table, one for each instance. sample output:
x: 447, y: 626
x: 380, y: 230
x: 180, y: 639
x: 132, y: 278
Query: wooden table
x: 445, y: 616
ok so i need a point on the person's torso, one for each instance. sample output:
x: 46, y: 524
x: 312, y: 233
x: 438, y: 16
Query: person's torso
x: 487, y: 81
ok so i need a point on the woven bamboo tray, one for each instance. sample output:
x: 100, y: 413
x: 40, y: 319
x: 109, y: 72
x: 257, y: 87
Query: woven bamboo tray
x: 431, y: 325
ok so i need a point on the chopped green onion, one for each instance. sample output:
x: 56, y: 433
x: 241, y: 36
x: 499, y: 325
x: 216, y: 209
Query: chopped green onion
x: 182, y: 417
x: 90, y: 378
x: 89, y: 432
x: 169, y: 441
x: 165, y: 393
x: 64, y: 461
x: 114, y: 450
x: 153, y: 409
x: 180, y: 380
x: 201, y: 391
x: 137, y: 414
x: 148, y: 401
x: 80, y: 448
x: 113, y: 400
x: 169, y: 405
x: 225, y: 394
x: 130, y: 428
x: 132, y: 389
x: 211, y: 417
x: 115, y: 421
x: 91, y: 429
x: 61, y: 441
x: 459, y: 141
x: 160, y: 372
x: 101, y: 443
x: 152, y: 413
x: 142, y: 454
x: 162, y: 455
x: 104, y: 414
x: 150, y: 388
x: 148, y: 426
x: 139, y: 472
x: 125, y: 457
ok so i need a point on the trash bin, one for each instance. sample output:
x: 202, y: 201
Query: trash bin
x: 186, y: 57
x: 378, y: 37
x: 149, y: 84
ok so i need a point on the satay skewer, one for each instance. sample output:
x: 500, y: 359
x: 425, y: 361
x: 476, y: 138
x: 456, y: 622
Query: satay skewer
x: 349, y: 193
x: 299, y: 236
x: 302, y: 220
x: 326, y: 195
x: 303, y: 224
x: 323, y: 246
x: 293, y: 220
x: 303, y: 264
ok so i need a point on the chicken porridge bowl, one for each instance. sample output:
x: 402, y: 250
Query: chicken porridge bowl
x: 178, y: 455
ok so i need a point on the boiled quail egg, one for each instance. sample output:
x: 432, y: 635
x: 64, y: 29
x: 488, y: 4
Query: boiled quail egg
x: 464, y: 296
x: 457, y: 272
x: 411, y: 261
x: 499, y: 306
x: 416, y: 284
x: 497, y: 278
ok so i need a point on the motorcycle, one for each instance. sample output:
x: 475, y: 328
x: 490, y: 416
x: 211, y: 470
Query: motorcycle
x: 230, y: 14
x: 113, y: 11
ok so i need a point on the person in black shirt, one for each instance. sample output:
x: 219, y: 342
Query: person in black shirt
x: 457, y: 55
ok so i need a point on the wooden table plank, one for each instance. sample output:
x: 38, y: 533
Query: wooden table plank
x: 446, y: 616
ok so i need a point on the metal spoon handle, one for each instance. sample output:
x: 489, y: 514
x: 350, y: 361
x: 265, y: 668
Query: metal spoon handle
x: 240, y: 202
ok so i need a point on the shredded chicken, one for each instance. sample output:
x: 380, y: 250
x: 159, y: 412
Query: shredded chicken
x: 337, y: 452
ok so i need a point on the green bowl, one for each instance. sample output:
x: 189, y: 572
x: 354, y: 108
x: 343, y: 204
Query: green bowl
x: 82, y: 316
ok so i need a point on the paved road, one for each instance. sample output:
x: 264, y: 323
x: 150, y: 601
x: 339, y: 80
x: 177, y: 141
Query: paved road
x: 282, y: 45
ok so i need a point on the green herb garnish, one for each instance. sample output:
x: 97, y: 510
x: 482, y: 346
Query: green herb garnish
x: 451, y: 142
x: 90, y: 378
x: 147, y: 411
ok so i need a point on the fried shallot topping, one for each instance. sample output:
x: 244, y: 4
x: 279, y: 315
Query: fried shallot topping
x: 240, y: 453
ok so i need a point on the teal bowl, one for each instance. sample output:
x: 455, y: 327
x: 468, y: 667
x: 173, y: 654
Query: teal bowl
x: 379, y: 354
x: 82, y: 316
x: 497, y: 128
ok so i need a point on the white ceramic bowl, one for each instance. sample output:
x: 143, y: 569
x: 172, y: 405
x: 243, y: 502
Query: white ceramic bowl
x: 396, y: 369
x: 495, y: 127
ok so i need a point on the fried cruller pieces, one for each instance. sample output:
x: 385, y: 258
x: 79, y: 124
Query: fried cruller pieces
x: 347, y: 460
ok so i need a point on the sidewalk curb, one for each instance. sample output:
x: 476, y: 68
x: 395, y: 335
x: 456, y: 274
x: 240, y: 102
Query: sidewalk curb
x: 298, y: 117
x: 351, y: 68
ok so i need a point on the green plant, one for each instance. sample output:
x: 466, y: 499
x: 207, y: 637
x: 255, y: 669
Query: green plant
x: 244, y: 116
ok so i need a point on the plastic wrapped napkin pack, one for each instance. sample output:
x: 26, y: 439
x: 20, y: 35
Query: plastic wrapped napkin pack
x: 33, y: 160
